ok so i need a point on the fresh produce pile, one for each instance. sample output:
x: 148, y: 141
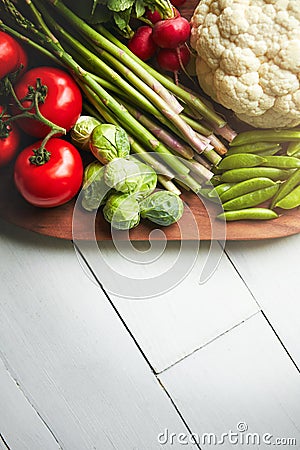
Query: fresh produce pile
x: 141, y: 127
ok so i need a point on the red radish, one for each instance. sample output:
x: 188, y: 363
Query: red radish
x: 153, y: 16
x: 142, y: 44
x: 171, y: 33
x: 176, y: 13
x: 178, y: 2
x: 173, y: 59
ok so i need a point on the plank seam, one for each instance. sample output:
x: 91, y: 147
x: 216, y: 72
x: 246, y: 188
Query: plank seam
x: 280, y: 340
x: 208, y: 343
x: 241, y: 277
x: 18, y: 385
x: 263, y: 313
x: 178, y: 412
x: 114, y: 307
x: 4, y: 442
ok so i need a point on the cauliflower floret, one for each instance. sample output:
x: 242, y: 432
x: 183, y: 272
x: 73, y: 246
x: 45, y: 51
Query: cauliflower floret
x: 249, y: 58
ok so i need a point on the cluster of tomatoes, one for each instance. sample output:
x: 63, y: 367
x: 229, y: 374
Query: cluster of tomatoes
x: 165, y: 39
x: 48, y: 172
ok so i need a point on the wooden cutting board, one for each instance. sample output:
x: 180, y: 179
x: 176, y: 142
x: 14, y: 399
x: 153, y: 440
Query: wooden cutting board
x: 196, y: 223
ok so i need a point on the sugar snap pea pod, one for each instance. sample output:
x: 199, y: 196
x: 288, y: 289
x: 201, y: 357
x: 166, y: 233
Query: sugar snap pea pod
x: 248, y: 214
x: 215, y: 180
x: 286, y: 187
x: 236, y: 175
x: 281, y: 162
x: 220, y: 189
x: 240, y: 160
x: 213, y: 194
x: 257, y: 147
x: 290, y: 201
x: 293, y: 148
x: 275, y: 135
x: 297, y: 155
x: 244, y: 187
x: 217, y: 171
x: 205, y: 192
x: 210, y: 194
x: 269, y: 151
x: 253, y: 198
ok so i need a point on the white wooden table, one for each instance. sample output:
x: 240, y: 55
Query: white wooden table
x: 200, y: 366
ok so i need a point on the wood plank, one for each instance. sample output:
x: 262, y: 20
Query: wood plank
x: 271, y: 271
x: 20, y: 426
x: 174, y: 324
x: 244, y: 376
x: 71, y: 355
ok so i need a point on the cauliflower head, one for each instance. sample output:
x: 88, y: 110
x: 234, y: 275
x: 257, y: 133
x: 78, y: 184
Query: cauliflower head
x: 249, y: 58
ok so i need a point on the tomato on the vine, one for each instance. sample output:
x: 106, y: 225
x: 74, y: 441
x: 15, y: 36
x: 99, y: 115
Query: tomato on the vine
x: 10, y: 137
x: 60, y: 99
x: 56, y: 180
x: 12, y: 55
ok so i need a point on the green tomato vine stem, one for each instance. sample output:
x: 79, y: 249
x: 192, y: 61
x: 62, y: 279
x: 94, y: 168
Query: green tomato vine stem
x: 35, y: 98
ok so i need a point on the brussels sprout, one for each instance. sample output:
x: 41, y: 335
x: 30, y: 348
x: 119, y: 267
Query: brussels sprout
x: 82, y: 130
x: 148, y: 179
x: 108, y: 142
x: 95, y: 192
x: 128, y: 176
x: 162, y: 207
x: 122, y: 211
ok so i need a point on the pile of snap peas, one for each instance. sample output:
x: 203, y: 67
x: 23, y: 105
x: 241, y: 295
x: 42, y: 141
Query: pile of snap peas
x: 260, y: 166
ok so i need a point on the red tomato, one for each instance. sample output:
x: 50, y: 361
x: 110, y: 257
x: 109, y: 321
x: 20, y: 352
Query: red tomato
x: 62, y: 101
x: 9, y: 54
x: 56, y: 181
x: 9, y: 140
